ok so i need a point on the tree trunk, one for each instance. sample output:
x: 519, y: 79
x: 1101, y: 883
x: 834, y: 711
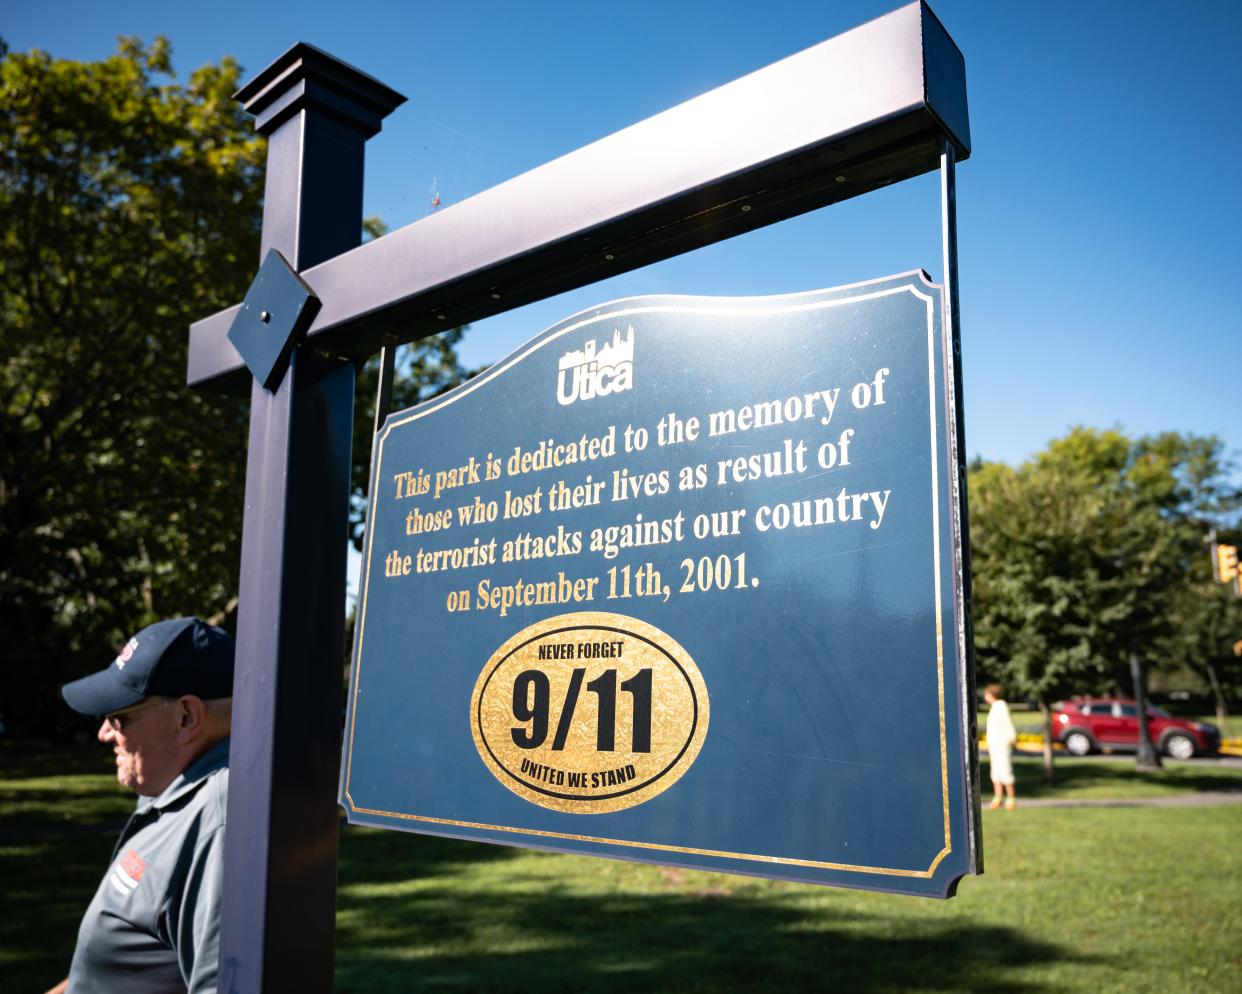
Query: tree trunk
x: 1050, y: 773
x: 1146, y: 758
x: 1222, y: 712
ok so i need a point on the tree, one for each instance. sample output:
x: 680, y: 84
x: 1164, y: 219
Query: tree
x: 1189, y: 479
x: 1207, y: 626
x: 130, y: 206
x: 1046, y: 548
x: 1080, y: 554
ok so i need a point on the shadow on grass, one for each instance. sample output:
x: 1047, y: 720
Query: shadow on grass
x: 538, y: 935
x: 48, y: 882
x: 1115, y: 778
x: 24, y: 758
x: 374, y: 855
x: 435, y: 914
x: 67, y: 792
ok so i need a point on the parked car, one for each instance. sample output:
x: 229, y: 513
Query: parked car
x: 1084, y: 725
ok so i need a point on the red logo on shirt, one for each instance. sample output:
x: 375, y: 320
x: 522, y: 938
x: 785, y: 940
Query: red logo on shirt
x: 134, y: 865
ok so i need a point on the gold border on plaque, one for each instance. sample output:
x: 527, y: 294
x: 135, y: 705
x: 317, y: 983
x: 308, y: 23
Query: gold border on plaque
x: 602, y: 314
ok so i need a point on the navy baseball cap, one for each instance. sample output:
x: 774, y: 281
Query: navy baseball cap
x: 167, y: 659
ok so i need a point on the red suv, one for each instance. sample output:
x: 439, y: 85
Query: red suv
x: 1086, y: 724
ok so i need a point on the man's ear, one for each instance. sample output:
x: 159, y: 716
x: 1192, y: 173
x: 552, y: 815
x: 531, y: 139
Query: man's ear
x: 191, y: 718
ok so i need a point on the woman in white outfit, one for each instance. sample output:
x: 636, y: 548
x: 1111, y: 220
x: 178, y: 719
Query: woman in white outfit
x: 1001, y: 736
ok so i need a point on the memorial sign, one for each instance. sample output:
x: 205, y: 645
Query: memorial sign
x: 678, y: 581
x: 586, y: 619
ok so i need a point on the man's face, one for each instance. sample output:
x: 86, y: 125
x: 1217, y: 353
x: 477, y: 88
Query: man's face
x: 144, y: 740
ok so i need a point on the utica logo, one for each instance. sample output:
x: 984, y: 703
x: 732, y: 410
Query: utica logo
x: 126, y: 654
x: 585, y: 373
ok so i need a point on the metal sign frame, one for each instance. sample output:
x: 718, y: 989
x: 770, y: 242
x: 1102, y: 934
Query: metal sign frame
x: 881, y: 103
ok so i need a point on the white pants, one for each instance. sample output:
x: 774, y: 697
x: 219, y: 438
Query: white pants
x: 1000, y: 761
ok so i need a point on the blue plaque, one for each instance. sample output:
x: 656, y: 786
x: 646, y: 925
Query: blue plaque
x: 680, y: 581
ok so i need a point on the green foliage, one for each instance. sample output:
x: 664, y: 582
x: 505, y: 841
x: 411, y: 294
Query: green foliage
x: 421, y: 370
x: 1093, y: 549
x: 129, y: 206
x: 1206, y: 622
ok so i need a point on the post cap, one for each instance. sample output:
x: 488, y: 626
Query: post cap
x: 305, y: 76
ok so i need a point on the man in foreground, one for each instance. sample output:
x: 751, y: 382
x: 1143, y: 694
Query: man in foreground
x: 165, y: 703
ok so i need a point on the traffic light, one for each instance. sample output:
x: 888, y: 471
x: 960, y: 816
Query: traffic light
x: 1226, y: 563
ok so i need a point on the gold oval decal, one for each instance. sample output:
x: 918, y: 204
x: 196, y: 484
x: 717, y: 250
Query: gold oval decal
x: 589, y: 712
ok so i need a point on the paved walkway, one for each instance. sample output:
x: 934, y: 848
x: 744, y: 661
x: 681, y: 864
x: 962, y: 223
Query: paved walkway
x: 1188, y: 800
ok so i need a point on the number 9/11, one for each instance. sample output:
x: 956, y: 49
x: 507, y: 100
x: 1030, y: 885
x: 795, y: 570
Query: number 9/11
x: 532, y: 691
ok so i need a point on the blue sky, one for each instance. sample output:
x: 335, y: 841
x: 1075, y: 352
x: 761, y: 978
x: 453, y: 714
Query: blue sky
x: 1095, y: 215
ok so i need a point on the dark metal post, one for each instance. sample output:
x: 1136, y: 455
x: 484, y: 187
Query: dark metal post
x: 383, y: 391
x: 279, y: 904
x: 965, y: 633
x: 1148, y: 758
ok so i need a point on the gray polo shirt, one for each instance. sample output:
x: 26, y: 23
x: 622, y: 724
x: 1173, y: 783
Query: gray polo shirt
x: 154, y: 925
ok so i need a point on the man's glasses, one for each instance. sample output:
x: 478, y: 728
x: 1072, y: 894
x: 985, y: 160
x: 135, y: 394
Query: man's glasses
x: 117, y: 720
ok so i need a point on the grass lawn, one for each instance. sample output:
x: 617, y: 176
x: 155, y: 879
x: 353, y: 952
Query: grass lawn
x: 1098, y: 777
x: 1081, y: 899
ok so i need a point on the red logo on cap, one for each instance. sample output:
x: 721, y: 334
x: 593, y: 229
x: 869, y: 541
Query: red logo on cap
x: 126, y: 654
x: 134, y: 865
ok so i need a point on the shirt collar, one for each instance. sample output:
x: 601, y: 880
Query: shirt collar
x: 213, y: 759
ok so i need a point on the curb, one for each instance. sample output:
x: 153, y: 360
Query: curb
x: 1032, y: 740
